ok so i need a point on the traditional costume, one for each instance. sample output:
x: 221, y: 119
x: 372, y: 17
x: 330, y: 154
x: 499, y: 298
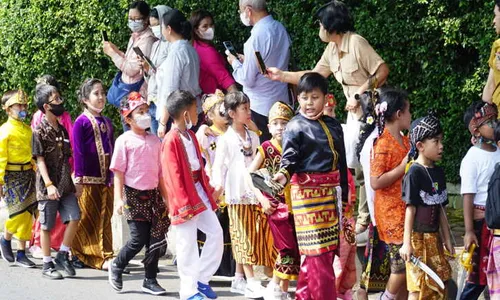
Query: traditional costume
x: 16, y: 172
x: 191, y: 207
x: 314, y: 162
x: 208, y: 147
x: 92, y: 150
x: 425, y: 189
x: 281, y: 223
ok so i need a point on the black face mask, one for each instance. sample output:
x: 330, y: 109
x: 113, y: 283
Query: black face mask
x: 57, y: 109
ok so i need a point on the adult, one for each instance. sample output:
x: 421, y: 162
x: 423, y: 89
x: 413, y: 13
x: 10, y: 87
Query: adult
x: 159, y: 53
x: 181, y: 69
x: 142, y: 37
x: 271, y: 39
x: 355, y: 64
x: 213, y: 72
x: 491, y: 91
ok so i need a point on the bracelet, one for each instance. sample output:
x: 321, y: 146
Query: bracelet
x: 50, y: 183
x: 162, y: 124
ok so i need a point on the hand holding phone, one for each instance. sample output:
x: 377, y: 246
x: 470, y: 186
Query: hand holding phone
x: 139, y: 52
x: 104, y: 36
x: 229, y: 47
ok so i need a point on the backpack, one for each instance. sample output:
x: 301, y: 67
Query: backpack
x: 493, y: 201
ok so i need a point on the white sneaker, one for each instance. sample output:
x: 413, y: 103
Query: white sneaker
x: 254, y: 290
x: 273, y: 292
x: 238, y: 286
x: 286, y: 296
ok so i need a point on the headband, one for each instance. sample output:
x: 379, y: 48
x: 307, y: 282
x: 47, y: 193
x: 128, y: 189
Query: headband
x: 486, y: 113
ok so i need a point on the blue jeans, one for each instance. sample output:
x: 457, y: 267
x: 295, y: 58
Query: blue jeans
x: 471, y: 291
x: 154, y: 122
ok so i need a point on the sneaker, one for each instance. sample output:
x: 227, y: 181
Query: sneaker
x: 238, y: 286
x: 62, y: 261
x: 76, y: 263
x: 273, y: 292
x: 115, y: 276
x: 254, y: 290
x: 152, y: 287
x: 36, y: 252
x: 197, y: 296
x: 206, y: 290
x: 23, y: 261
x: 6, y: 250
x: 49, y: 271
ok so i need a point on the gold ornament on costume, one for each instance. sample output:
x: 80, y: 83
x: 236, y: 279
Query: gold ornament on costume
x: 280, y: 110
x: 211, y: 100
x: 18, y: 98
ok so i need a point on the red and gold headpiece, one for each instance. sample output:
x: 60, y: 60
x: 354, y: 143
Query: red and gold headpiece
x: 280, y: 110
x: 18, y: 98
x: 211, y: 100
x: 134, y: 100
x: 486, y: 113
x: 330, y: 101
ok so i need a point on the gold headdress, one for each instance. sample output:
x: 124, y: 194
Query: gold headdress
x: 18, y: 98
x: 211, y: 100
x: 280, y: 110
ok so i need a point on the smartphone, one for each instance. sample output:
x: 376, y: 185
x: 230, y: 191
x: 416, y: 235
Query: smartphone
x: 260, y: 63
x: 104, y: 36
x: 139, y: 52
x: 229, y: 47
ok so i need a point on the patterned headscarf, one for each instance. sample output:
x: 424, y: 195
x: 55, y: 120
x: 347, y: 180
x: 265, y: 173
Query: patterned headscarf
x: 423, y: 128
x: 486, y: 113
x: 18, y: 98
x: 280, y: 110
x: 134, y: 100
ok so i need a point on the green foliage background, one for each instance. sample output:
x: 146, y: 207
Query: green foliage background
x: 436, y: 49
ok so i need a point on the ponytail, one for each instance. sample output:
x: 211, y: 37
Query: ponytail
x: 391, y: 101
x: 368, y: 101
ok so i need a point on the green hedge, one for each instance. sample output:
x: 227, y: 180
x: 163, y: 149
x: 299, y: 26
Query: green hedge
x: 436, y: 49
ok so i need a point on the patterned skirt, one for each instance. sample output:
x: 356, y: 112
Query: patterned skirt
x: 19, y: 192
x: 428, y: 247
x: 250, y: 236
x: 493, y: 270
x: 376, y: 265
x: 314, y: 204
x: 481, y: 254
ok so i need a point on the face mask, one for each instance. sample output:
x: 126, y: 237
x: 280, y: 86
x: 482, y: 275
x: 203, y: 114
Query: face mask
x: 189, y: 124
x: 136, y: 25
x: 143, y: 121
x: 208, y: 35
x: 97, y: 110
x: 244, y: 19
x: 157, y: 31
x: 20, y: 114
x: 323, y: 35
x: 57, y: 109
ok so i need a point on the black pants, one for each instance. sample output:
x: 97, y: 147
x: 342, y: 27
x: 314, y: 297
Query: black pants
x: 139, y: 237
x: 261, y: 122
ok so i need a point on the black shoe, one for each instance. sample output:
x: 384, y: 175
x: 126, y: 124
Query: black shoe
x: 152, y: 287
x: 23, y: 261
x: 115, y: 276
x: 49, y: 271
x: 62, y: 261
x: 77, y: 263
x: 6, y: 250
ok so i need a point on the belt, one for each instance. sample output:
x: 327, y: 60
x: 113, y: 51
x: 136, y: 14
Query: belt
x: 196, y: 175
x: 496, y: 232
x: 18, y: 167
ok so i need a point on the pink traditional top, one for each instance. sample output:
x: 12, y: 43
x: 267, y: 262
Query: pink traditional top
x: 213, y: 72
x: 138, y: 157
x: 128, y: 63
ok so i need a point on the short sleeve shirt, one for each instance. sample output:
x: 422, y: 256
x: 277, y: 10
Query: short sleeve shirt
x: 425, y: 188
x: 54, y: 146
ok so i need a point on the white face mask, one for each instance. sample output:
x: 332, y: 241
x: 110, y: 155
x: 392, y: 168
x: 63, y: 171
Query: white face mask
x: 244, y: 19
x: 323, y: 35
x: 157, y: 31
x: 97, y: 110
x: 208, y: 34
x: 136, y: 25
x: 189, y: 124
x: 143, y: 121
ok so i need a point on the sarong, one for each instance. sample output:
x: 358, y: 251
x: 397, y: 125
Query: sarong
x: 429, y: 248
x: 19, y: 192
x: 493, y: 270
x: 481, y: 253
x: 376, y: 267
x: 250, y: 236
x: 93, y: 243
x: 314, y: 204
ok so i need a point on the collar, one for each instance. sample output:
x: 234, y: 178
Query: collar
x: 262, y: 22
x: 16, y: 122
x: 216, y: 130
x: 276, y: 145
x: 47, y: 124
x: 346, y: 38
x: 139, y: 35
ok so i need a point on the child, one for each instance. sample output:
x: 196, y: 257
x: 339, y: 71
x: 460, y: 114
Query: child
x: 278, y: 209
x: 191, y: 200
x: 17, y: 178
x: 93, y: 147
x: 55, y: 188
x: 475, y: 171
x: 390, y: 154
x: 314, y: 162
x: 208, y: 137
x: 138, y: 184
x: 250, y: 235
x: 492, y: 217
x: 424, y: 191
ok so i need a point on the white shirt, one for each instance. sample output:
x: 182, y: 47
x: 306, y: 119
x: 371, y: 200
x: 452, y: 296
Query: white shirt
x: 271, y: 39
x: 194, y: 163
x: 364, y: 159
x: 475, y: 171
x: 229, y: 157
x: 180, y: 71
